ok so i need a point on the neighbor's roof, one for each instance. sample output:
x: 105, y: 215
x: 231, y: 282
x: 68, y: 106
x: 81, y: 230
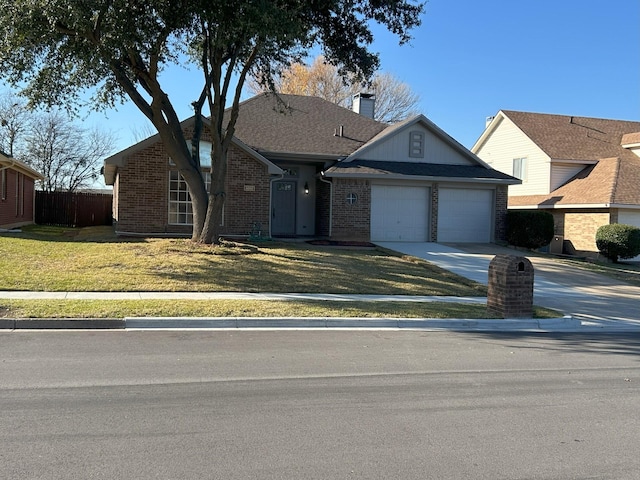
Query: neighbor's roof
x: 295, y: 124
x: 614, y: 174
x: 422, y: 171
x: 7, y: 161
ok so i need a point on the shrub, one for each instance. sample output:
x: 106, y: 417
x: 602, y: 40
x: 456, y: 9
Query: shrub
x: 529, y: 228
x: 617, y: 241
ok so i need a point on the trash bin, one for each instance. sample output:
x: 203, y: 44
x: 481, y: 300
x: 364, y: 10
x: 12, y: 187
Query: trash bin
x: 510, y: 293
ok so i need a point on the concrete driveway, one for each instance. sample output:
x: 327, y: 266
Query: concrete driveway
x: 576, y: 292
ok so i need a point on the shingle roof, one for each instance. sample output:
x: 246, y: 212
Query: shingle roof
x: 377, y: 168
x: 302, y: 125
x: 615, y: 179
x: 565, y: 137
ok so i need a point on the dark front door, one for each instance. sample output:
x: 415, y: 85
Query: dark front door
x: 283, y: 209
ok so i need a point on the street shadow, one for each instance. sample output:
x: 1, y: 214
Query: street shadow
x: 605, y: 343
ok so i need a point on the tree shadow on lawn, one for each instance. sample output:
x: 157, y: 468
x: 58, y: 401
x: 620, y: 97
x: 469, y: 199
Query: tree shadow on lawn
x: 604, y: 343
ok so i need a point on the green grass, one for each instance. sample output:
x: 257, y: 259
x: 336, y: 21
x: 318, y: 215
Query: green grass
x: 242, y: 308
x: 53, y: 259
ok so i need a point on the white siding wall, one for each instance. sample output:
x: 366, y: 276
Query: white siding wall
x: 630, y: 217
x: 508, y: 142
x: 396, y: 149
x: 561, y: 173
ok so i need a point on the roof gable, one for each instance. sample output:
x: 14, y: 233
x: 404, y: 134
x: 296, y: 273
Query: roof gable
x: 461, y: 155
x: 112, y: 163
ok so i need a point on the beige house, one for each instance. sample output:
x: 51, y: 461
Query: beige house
x: 585, y: 171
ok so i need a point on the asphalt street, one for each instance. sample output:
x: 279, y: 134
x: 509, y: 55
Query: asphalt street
x: 318, y: 405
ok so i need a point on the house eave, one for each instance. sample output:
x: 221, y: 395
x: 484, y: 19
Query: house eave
x: 571, y: 206
x: 424, y: 178
x: 310, y: 157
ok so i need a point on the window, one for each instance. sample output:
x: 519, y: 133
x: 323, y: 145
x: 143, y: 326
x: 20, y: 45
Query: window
x: 352, y: 198
x: 180, y: 211
x: 3, y: 184
x: 416, y: 144
x: 520, y: 168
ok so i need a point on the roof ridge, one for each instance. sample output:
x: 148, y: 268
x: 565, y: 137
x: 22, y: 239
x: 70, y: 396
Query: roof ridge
x: 616, y: 175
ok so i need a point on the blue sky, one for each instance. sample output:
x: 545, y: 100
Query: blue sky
x: 471, y: 58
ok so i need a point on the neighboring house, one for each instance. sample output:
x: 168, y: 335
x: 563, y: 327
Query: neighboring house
x: 585, y: 171
x: 303, y: 166
x: 17, y: 192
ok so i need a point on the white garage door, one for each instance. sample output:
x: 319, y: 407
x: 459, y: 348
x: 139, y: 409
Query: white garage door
x: 399, y: 213
x: 630, y: 217
x: 465, y: 215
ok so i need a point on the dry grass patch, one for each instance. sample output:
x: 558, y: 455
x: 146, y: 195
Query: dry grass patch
x: 242, y: 308
x: 57, y: 260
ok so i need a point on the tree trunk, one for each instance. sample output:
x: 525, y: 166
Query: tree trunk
x: 212, y: 228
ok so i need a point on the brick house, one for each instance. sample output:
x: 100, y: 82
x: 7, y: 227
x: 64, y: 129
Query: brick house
x: 585, y: 171
x: 17, y: 192
x: 302, y: 166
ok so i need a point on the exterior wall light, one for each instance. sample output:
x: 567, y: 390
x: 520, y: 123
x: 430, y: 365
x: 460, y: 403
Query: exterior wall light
x: 306, y: 188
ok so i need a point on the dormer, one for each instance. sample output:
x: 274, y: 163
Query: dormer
x: 631, y: 141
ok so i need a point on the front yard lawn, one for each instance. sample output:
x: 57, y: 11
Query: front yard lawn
x: 84, y: 260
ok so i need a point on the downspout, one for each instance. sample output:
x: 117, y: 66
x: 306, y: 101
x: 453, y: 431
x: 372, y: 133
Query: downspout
x: 273, y: 179
x: 322, y: 179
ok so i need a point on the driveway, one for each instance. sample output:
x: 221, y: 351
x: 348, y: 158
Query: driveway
x: 582, y: 294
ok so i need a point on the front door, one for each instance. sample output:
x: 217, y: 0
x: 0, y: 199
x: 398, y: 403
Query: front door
x: 283, y: 209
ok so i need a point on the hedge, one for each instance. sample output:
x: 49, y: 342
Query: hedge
x: 529, y: 228
x: 618, y: 241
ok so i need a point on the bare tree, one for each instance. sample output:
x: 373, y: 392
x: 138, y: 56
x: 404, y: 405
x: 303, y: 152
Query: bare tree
x: 14, y: 123
x: 395, y: 100
x: 67, y: 155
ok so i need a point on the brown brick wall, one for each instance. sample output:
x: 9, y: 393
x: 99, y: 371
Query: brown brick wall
x: 248, y: 192
x: 141, y: 193
x: 501, y: 198
x: 323, y: 205
x: 10, y: 214
x: 580, y: 228
x: 510, y: 286
x: 352, y: 222
x: 433, y: 231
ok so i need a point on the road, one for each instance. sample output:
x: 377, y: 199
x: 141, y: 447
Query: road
x: 318, y: 405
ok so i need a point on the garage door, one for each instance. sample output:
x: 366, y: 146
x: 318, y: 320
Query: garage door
x: 465, y: 215
x: 630, y: 217
x: 399, y: 213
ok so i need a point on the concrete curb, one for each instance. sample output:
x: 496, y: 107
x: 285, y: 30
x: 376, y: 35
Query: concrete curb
x: 155, y: 323
x: 563, y: 324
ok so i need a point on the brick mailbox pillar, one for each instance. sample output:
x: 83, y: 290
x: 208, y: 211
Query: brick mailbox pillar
x: 510, y: 292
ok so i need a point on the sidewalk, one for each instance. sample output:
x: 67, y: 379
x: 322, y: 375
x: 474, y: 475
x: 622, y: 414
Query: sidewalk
x: 563, y: 324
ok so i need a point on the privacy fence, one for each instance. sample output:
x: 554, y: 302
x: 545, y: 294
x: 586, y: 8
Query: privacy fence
x: 66, y: 209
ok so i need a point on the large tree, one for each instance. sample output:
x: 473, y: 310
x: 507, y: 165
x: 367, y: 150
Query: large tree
x: 395, y: 100
x: 56, y: 48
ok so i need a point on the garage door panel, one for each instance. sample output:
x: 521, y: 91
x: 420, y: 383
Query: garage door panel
x: 399, y: 213
x: 465, y: 215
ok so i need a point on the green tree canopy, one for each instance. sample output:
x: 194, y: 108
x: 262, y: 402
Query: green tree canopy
x: 55, y: 49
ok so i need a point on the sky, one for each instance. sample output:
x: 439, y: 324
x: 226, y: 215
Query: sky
x: 471, y: 58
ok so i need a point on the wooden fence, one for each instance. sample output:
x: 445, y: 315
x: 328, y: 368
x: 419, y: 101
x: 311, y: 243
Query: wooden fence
x: 73, y: 209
